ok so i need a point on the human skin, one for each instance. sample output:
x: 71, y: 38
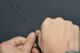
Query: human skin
x: 19, y: 45
x: 58, y: 35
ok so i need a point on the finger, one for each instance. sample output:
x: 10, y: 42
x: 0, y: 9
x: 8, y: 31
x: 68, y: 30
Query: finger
x: 45, y: 22
x: 69, y: 35
x: 17, y: 41
x: 29, y: 42
x: 76, y: 38
x: 34, y: 50
x: 37, y: 32
x: 72, y: 39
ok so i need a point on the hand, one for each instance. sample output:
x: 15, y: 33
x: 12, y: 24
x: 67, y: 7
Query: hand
x: 58, y: 35
x: 19, y: 45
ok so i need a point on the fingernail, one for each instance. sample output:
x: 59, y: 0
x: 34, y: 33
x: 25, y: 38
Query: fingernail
x: 32, y: 34
x: 37, y: 32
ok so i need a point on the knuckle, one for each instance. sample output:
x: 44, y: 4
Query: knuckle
x: 15, y: 38
x: 59, y: 18
x: 19, y: 37
x: 69, y: 22
x: 4, y: 43
x: 46, y: 21
x: 48, y: 18
x: 76, y: 26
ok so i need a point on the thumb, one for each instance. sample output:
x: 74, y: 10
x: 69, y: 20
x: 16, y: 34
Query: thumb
x: 29, y: 43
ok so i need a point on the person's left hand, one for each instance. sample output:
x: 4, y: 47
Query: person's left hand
x: 19, y: 45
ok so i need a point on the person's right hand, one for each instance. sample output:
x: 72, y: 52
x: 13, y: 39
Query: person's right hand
x: 19, y: 45
x: 58, y: 35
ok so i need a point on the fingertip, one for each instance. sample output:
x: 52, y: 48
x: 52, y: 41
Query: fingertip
x: 37, y: 32
x: 32, y: 35
x: 29, y: 42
